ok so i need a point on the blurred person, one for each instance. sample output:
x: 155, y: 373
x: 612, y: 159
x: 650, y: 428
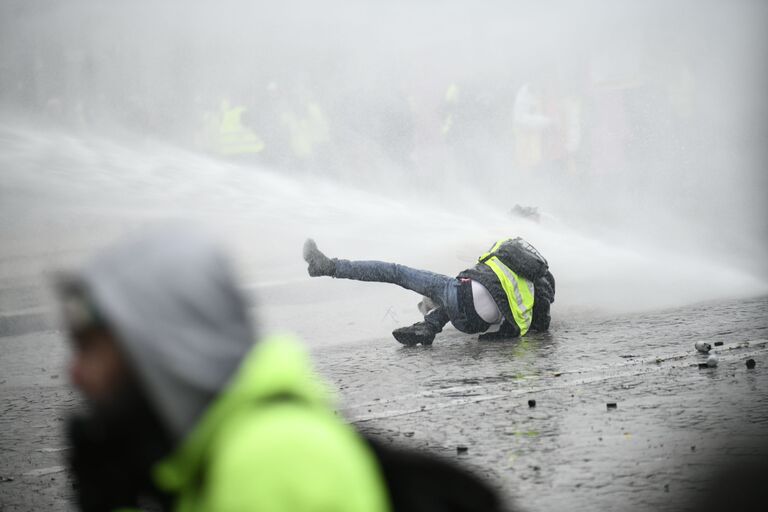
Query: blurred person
x: 228, y: 132
x: 505, y: 295
x: 185, y: 412
x: 450, y: 103
x: 531, y: 123
x: 308, y: 128
x: 572, y: 108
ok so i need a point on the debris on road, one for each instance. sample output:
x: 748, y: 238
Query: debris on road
x: 703, y: 366
x: 531, y: 403
x: 703, y: 346
x: 611, y: 405
x: 461, y: 449
x: 718, y: 343
x: 750, y: 364
x: 712, y: 361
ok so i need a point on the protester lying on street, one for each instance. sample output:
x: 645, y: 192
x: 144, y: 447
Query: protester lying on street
x: 184, y: 412
x: 505, y: 295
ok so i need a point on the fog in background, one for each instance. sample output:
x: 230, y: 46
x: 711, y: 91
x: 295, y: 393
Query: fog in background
x: 398, y: 130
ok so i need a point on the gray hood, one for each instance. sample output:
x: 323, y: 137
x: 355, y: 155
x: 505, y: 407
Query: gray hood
x: 170, y: 295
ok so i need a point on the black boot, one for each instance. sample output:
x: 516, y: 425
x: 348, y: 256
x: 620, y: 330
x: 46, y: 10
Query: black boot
x: 319, y: 263
x: 420, y: 332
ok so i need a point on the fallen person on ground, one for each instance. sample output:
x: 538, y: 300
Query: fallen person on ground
x: 505, y: 295
x: 184, y: 411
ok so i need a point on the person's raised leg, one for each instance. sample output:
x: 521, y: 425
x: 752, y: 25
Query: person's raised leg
x: 430, y: 284
x: 423, y: 282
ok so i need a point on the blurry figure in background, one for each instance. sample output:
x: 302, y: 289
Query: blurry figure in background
x: 433, y: 99
x: 530, y: 124
x: 271, y: 101
x: 615, y: 75
x: 505, y: 295
x: 609, y: 133
x: 307, y: 127
x: 185, y: 413
x: 449, y: 106
x: 561, y: 140
x: 572, y: 119
x: 228, y: 135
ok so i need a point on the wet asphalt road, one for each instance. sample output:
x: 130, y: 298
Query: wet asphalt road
x: 673, y: 425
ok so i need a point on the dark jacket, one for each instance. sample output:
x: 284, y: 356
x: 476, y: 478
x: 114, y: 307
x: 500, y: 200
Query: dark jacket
x: 544, y: 295
x: 514, y: 255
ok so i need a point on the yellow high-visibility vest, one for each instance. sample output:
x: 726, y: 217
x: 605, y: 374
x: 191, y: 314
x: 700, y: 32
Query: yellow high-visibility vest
x: 233, y: 138
x: 519, y: 290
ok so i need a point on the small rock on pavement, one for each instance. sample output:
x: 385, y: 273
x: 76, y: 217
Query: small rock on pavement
x: 712, y: 361
x: 750, y: 364
x: 531, y: 403
x: 611, y: 405
x: 703, y: 346
x: 461, y: 449
x: 718, y: 343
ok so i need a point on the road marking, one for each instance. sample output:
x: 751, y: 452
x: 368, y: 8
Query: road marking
x: 53, y: 450
x: 45, y: 471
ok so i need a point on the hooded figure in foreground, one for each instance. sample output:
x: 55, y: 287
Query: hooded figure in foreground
x: 505, y: 295
x: 183, y: 411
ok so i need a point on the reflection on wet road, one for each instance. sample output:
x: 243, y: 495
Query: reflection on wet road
x: 672, y: 426
x: 673, y: 422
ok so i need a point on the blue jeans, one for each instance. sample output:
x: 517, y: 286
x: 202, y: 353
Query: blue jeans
x: 443, y: 290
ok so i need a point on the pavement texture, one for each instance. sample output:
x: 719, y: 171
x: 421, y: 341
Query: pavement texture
x: 672, y: 427
x: 673, y: 424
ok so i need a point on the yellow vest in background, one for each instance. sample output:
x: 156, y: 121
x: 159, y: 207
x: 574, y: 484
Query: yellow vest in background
x: 231, y: 137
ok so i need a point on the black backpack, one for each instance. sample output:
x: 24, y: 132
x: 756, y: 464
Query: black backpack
x: 522, y: 258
